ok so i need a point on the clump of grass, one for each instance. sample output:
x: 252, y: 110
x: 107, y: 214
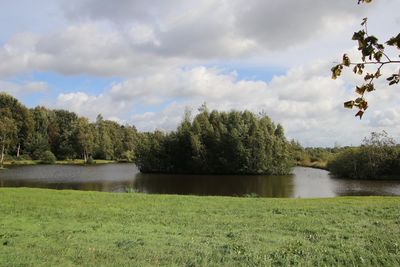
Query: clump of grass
x: 131, y: 190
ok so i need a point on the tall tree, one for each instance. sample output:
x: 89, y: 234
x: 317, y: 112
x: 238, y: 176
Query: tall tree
x: 22, y: 118
x: 8, y: 132
x: 84, y: 138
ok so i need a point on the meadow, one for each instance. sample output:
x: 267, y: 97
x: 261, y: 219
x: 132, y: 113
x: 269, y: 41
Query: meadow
x: 42, y: 227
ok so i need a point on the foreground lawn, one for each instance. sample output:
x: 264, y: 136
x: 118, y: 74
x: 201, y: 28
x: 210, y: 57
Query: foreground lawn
x: 52, y: 228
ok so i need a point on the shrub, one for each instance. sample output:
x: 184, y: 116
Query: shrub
x: 90, y: 161
x: 48, y: 157
x: 378, y: 157
x: 24, y: 157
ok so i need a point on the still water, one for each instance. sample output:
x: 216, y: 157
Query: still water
x: 303, y: 183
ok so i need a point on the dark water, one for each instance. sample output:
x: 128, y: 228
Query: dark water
x: 304, y: 182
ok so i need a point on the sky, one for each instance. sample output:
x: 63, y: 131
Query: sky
x: 144, y: 62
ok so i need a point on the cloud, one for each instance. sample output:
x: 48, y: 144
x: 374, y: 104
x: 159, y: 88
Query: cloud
x: 215, y: 29
x: 25, y: 88
x: 307, y: 102
x: 122, y: 11
x: 83, y: 49
x: 168, y: 55
x: 140, y: 37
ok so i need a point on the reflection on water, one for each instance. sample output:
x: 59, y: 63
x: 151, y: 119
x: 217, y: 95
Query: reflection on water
x: 223, y: 185
x: 304, y: 182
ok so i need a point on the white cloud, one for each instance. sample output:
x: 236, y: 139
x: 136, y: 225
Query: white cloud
x: 305, y: 100
x: 135, y: 37
x: 25, y: 88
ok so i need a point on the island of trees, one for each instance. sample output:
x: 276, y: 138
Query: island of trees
x: 219, y: 143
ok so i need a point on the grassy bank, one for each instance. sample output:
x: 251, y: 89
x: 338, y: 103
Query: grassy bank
x: 323, y: 165
x: 61, y: 162
x: 50, y: 228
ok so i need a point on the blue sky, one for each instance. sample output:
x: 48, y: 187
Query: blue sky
x: 144, y: 63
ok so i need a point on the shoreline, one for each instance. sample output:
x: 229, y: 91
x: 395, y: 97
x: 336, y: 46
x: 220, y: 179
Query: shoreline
x: 15, y: 163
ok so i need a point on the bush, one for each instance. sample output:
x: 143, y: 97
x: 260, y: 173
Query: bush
x: 24, y: 157
x: 48, y: 157
x: 90, y: 161
x: 378, y: 157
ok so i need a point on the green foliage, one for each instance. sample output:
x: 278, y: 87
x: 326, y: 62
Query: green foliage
x: 22, y: 119
x: 378, y: 157
x: 316, y: 157
x: 8, y: 132
x: 128, y: 156
x: 90, y: 160
x: 372, y: 54
x: 67, y: 136
x: 48, y: 157
x: 217, y: 142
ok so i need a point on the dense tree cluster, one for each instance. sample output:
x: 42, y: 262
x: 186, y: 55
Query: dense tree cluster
x: 377, y: 157
x: 44, y: 134
x: 217, y: 142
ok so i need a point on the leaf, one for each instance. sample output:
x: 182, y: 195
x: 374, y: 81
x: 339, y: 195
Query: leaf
x: 369, y: 76
x: 391, y: 77
x: 360, y: 90
x: 360, y: 113
x: 336, y: 71
x: 378, y: 56
x: 346, y: 60
x: 349, y: 104
x: 394, y: 41
x: 370, y: 87
x: 363, y: 105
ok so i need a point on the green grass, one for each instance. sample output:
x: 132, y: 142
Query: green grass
x: 66, y: 228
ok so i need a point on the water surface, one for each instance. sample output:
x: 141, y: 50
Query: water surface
x: 303, y: 183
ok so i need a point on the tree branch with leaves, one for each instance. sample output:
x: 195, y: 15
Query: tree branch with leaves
x: 372, y: 53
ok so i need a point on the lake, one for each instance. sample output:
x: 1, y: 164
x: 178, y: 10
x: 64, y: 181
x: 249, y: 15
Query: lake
x: 303, y: 183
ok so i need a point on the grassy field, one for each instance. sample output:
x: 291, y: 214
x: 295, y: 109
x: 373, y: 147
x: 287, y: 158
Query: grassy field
x: 65, y: 228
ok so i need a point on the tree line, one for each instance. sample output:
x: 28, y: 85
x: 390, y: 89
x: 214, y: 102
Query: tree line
x: 217, y: 142
x: 44, y: 134
x: 213, y: 142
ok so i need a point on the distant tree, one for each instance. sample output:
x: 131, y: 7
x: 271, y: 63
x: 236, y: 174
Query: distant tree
x: 84, y: 138
x: 373, y: 53
x: 104, y: 145
x: 62, y: 133
x: 8, y: 132
x: 377, y: 157
x: 40, y: 138
x: 23, y: 121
